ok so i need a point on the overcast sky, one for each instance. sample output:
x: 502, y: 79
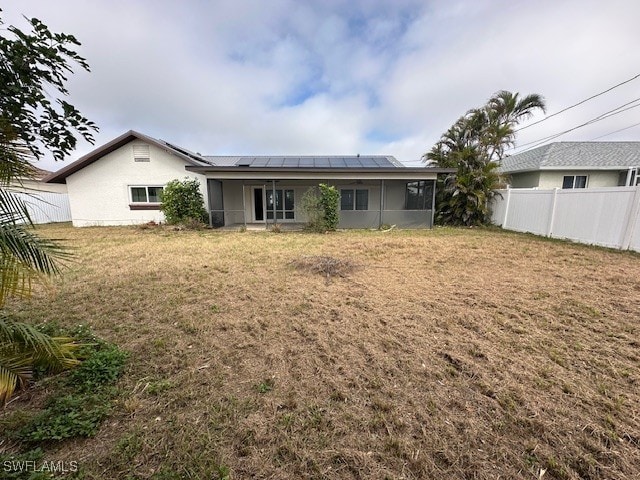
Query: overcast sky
x: 340, y: 77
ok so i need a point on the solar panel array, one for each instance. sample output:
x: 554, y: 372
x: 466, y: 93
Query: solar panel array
x: 318, y: 162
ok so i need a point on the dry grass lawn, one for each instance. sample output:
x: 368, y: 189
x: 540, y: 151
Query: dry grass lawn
x: 452, y: 353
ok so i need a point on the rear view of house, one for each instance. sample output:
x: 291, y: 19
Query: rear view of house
x: 120, y: 183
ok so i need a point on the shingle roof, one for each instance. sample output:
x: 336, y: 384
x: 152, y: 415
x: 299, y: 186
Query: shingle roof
x: 308, y: 161
x: 575, y: 156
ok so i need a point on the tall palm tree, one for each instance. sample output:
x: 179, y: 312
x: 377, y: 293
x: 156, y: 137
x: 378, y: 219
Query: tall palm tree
x: 505, y: 110
x: 474, y: 145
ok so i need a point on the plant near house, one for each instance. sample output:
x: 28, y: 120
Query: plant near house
x: 310, y: 205
x: 182, y: 202
x: 321, y: 208
x: 34, y: 118
x: 474, y: 145
x: 330, y: 203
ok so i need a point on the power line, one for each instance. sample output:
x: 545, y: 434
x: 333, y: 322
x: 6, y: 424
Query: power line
x: 616, y: 131
x: 576, y: 104
x: 599, y: 118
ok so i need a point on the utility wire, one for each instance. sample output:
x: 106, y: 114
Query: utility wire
x: 599, y: 118
x: 616, y: 131
x: 576, y: 104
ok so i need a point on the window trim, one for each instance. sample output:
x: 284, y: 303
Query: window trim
x: 355, y: 201
x: 573, y: 182
x: 143, y: 205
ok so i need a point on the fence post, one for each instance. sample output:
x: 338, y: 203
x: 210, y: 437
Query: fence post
x: 552, y: 217
x: 506, y: 208
x: 631, y: 220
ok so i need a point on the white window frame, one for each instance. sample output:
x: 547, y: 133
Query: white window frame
x: 573, y: 183
x: 146, y: 187
x: 355, y: 198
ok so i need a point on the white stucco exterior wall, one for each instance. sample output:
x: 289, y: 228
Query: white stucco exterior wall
x: 99, y: 194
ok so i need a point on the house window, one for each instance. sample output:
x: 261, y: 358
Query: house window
x: 574, y: 181
x: 285, y: 204
x: 419, y: 195
x: 141, y: 153
x: 354, y: 199
x: 146, y: 194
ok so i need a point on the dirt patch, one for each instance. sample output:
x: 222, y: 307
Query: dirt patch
x: 324, y: 265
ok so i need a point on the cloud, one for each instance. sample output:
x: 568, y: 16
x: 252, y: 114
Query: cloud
x: 338, y: 76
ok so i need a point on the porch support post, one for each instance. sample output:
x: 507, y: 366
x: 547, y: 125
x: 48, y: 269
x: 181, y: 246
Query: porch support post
x: 273, y: 188
x: 433, y: 203
x: 244, y: 207
x: 381, y: 202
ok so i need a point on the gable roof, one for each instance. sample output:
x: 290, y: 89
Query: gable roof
x: 191, y: 158
x: 575, y: 156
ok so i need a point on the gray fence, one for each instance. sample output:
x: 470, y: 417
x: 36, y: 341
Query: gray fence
x: 609, y: 217
x: 46, y: 207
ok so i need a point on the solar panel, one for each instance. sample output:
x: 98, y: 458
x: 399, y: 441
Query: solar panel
x: 318, y: 162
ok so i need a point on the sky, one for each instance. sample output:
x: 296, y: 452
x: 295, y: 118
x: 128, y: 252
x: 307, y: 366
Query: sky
x: 322, y: 77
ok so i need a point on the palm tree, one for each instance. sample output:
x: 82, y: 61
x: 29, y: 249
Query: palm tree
x: 25, y: 259
x: 505, y: 110
x: 474, y: 145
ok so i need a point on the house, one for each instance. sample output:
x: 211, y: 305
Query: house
x: 575, y: 165
x: 35, y: 183
x: 120, y: 183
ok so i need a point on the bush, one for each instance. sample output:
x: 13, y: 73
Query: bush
x: 321, y: 207
x: 330, y: 202
x: 182, y: 202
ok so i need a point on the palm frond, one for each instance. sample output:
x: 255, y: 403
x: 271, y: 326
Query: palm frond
x: 22, y: 347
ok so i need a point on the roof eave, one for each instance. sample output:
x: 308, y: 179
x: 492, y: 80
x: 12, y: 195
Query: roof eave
x: 61, y: 175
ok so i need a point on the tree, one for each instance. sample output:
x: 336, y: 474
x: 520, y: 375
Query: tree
x: 182, y: 202
x: 33, y: 65
x: 474, y: 145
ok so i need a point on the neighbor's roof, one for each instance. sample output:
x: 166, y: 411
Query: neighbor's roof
x: 575, y: 156
x: 308, y: 161
x: 191, y: 158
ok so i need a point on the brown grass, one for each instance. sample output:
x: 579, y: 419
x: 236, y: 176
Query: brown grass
x: 451, y: 353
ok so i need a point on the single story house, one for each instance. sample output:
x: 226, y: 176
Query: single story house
x: 575, y: 165
x: 120, y: 183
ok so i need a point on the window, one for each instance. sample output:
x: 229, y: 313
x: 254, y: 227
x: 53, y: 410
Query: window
x: 141, y: 153
x: 284, y: 210
x: 146, y: 194
x: 419, y: 195
x: 574, y: 181
x: 354, y: 199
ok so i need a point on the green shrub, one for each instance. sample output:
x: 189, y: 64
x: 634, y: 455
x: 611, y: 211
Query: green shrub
x: 182, y: 202
x: 321, y: 208
x: 330, y: 202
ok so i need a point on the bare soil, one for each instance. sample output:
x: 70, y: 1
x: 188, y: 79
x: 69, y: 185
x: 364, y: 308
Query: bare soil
x: 451, y: 353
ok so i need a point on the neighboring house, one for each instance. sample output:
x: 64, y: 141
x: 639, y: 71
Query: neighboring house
x: 35, y: 183
x: 575, y: 165
x: 120, y: 183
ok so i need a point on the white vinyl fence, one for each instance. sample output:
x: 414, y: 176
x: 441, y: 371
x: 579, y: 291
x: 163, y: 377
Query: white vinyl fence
x: 609, y: 217
x: 47, y: 207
